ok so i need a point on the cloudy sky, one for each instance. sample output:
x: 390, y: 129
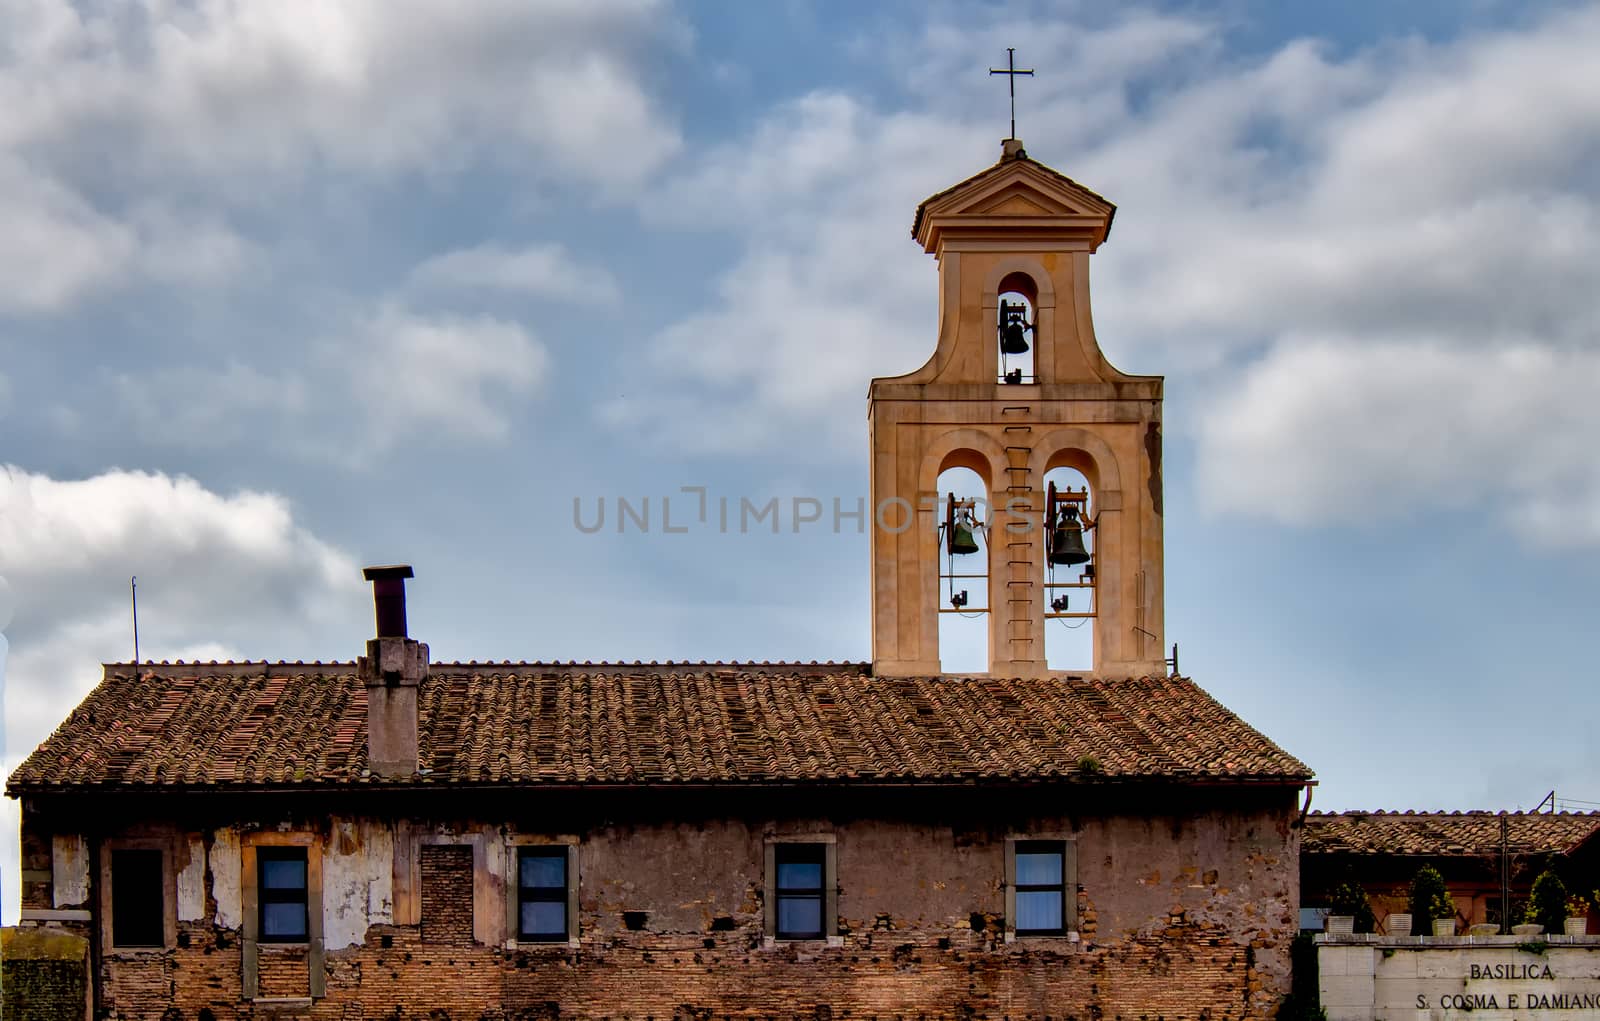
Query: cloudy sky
x: 289, y: 288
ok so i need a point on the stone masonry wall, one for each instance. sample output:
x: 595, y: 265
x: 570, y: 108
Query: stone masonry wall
x: 1185, y: 913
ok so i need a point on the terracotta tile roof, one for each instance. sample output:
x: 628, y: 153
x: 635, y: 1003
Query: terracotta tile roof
x: 305, y: 724
x: 1445, y: 833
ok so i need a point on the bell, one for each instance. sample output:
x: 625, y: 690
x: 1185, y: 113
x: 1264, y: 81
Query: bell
x: 1011, y: 329
x: 1066, y: 543
x: 1011, y: 339
x: 961, y: 540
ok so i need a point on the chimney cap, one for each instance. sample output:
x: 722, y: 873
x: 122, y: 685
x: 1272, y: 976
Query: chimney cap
x: 382, y: 573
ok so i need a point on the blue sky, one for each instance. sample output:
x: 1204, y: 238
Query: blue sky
x: 290, y: 288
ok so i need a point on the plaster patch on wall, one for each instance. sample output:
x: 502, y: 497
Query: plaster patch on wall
x: 497, y: 855
x: 69, y: 870
x: 357, y: 882
x: 192, y: 883
x: 225, y: 878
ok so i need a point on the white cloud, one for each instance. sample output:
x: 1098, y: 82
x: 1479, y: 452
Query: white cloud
x: 1415, y: 200
x: 249, y: 89
x: 55, y: 245
x: 369, y: 379
x: 135, y: 133
x: 542, y: 269
x: 189, y: 406
x: 215, y: 567
x: 828, y: 292
x: 421, y: 374
x: 219, y: 576
x: 1327, y: 431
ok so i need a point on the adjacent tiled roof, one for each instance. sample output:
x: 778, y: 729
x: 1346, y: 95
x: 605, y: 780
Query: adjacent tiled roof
x: 1445, y: 833
x: 250, y: 725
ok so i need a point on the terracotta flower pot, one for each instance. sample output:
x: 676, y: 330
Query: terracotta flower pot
x: 1444, y: 926
x: 1398, y: 924
x: 1341, y: 925
x: 1577, y: 925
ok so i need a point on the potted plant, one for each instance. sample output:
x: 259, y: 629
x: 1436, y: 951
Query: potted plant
x: 1432, y: 909
x: 1351, y: 911
x: 1577, y: 920
x: 1398, y: 923
x: 1547, y: 903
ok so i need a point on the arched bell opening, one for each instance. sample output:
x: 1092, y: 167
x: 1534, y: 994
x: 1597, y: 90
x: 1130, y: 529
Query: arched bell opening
x: 1016, y: 332
x: 1071, y: 575
x: 962, y: 516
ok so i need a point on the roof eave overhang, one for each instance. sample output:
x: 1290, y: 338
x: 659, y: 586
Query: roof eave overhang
x: 367, y: 787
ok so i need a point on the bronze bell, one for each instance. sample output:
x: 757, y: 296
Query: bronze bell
x: 962, y: 541
x: 1066, y: 542
x: 1012, y: 330
x: 1011, y: 339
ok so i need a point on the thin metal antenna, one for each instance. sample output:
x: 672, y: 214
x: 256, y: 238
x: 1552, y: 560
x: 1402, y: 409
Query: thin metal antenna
x: 133, y: 591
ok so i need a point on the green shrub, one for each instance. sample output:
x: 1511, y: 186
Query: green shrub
x: 1430, y: 899
x: 1350, y: 898
x: 1547, y: 902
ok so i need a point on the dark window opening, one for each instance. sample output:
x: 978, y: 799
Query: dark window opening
x: 138, y: 910
x: 1041, y: 888
x: 281, y: 886
x: 799, y: 888
x: 542, y: 894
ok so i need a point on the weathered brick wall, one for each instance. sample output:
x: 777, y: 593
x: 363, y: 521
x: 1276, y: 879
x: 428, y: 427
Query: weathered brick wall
x: 1195, y: 973
x: 283, y: 971
x: 446, y: 894
x: 1186, y: 912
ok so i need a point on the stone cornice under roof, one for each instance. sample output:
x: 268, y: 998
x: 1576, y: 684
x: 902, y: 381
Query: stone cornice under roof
x: 303, y: 725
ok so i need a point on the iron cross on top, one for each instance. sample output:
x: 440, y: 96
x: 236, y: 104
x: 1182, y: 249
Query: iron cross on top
x: 1011, y: 70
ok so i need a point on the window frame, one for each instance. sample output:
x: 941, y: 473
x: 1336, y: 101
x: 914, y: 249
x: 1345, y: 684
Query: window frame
x: 827, y: 845
x: 556, y: 894
x: 1045, y: 843
x: 513, y: 886
x: 250, y: 846
x: 266, y: 895
x: 107, y: 893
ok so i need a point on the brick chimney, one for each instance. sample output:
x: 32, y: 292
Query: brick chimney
x: 393, y: 669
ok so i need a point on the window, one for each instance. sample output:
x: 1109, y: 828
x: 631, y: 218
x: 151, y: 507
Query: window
x: 282, y: 885
x: 542, y: 894
x: 1042, y: 887
x: 138, y: 907
x: 801, y: 892
x: 1041, y: 904
x: 801, y: 888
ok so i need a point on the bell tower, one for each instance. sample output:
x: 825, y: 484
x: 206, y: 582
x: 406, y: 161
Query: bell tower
x: 1014, y: 390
